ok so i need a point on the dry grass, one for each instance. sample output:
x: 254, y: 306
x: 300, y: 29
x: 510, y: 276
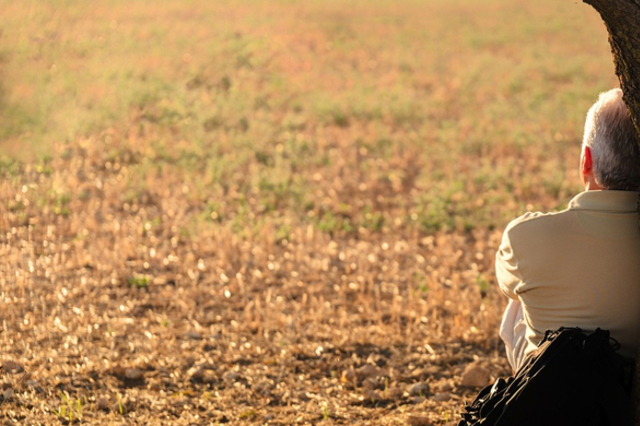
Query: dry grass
x: 272, y: 212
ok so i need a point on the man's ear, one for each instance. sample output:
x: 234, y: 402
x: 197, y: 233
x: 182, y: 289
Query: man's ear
x: 587, y: 161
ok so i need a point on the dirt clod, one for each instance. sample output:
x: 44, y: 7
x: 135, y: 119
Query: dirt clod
x: 419, y: 389
x: 475, y: 376
x: 12, y: 367
x: 133, y: 373
x: 103, y: 404
x: 419, y: 421
x: 442, y: 397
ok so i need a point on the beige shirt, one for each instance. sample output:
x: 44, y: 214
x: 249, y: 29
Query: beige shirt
x: 577, y: 268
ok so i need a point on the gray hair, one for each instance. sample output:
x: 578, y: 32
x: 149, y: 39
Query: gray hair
x: 610, y: 135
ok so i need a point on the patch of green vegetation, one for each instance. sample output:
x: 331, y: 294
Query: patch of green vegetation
x: 237, y: 114
x: 70, y: 409
x: 483, y: 284
x: 139, y: 281
x: 249, y: 414
x: 373, y: 221
x: 10, y: 167
x: 420, y: 281
x: 60, y: 203
x: 335, y: 223
x: 213, y: 212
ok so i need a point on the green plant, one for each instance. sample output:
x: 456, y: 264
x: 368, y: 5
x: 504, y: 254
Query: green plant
x: 483, y: 284
x: 139, y: 281
x: 249, y: 414
x: 120, y: 405
x: 325, y: 411
x: 70, y: 408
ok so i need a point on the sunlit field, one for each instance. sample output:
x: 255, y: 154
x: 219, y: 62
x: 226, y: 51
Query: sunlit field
x: 273, y: 212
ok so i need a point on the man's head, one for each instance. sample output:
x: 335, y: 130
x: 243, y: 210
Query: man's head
x: 610, y: 154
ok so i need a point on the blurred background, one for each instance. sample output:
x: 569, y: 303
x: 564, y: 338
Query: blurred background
x: 445, y: 98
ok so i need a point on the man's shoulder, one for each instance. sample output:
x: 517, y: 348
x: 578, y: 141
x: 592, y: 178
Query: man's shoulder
x: 538, y: 224
x: 534, y: 219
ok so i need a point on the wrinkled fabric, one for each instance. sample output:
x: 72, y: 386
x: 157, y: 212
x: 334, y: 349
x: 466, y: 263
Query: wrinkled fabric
x: 513, y: 331
x: 576, y: 268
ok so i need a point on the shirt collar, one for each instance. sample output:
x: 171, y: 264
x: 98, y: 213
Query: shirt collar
x: 606, y: 200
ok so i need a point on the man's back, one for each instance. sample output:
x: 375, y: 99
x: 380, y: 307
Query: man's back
x: 577, y: 268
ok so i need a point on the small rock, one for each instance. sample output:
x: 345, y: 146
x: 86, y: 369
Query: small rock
x: 444, y: 385
x: 371, y: 395
x: 475, y: 376
x: 348, y: 376
x: 192, y: 335
x: 419, y: 389
x: 208, y: 377
x: 182, y: 403
x: 103, y: 404
x: 133, y: 373
x: 370, y: 384
x: 367, y: 371
x: 232, y: 376
x: 155, y: 385
x: 7, y: 394
x: 442, y: 397
x: 12, y: 367
x: 432, y: 370
x: 33, y: 384
x: 395, y: 392
x: 378, y: 383
x: 189, y: 361
x: 418, y: 373
x: 419, y: 421
x: 201, y: 375
x: 118, y: 371
x: 195, y: 373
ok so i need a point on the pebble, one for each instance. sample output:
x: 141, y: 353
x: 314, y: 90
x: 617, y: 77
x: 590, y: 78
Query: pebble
x: 13, y: 367
x: 371, y: 395
x: 444, y: 386
x: 192, y: 335
x: 367, y: 371
x: 419, y: 389
x: 442, y: 397
x: 395, y: 392
x: 201, y: 375
x: 133, y: 373
x: 348, y: 376
x: 418, y: 373
x: 103, y: 404
x: 33, y: 384
x: 232, y: 376
x: 475, y: 376
x: 419, y: 421
x: 7, y: 394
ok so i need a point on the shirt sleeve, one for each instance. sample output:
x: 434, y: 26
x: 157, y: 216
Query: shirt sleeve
x: 507, y: 272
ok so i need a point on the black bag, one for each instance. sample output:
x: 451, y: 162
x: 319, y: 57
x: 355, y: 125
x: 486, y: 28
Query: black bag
x: 571, y: 379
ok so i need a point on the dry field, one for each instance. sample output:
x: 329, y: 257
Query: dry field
x: 273, y: 212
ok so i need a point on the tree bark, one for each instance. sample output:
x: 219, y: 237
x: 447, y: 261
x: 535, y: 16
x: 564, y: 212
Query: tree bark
x: 622, y: 19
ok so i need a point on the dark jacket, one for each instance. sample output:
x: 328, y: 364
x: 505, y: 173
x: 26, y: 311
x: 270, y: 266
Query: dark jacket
x: 571, y: 379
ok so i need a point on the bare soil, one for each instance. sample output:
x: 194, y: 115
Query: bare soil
x: 113, y: 313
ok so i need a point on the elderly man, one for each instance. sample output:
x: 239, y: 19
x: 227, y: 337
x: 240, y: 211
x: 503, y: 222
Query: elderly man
x: 580, y: 267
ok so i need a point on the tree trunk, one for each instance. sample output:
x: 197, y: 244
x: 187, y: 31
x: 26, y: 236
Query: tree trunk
x: 622, y: 19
